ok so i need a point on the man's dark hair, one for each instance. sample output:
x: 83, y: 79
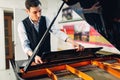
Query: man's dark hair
x: 32, y: 3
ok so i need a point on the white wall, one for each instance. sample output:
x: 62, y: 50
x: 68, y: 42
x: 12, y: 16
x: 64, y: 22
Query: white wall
x: 19, y: 14
x: 6, y: 5
x: 12, y: 4
x: 2, y: 41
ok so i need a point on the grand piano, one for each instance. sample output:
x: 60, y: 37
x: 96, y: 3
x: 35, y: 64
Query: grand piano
x: 70, y: 61
x: 67, y: 60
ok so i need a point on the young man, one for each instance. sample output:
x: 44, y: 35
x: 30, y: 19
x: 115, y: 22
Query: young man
x: 32, y: 28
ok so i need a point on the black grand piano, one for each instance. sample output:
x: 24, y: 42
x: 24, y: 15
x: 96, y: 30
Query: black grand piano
x: 66, y: 60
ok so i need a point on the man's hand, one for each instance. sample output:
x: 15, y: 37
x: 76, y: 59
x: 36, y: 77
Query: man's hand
x: 38, y: 60
x: 77, y: 46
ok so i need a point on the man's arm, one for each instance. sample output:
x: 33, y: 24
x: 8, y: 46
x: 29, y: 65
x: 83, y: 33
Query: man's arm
x: 57, y: 32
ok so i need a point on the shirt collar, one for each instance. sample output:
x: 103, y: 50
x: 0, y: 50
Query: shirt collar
x: 32, y: 21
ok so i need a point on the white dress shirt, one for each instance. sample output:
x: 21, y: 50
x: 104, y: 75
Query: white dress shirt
x: 25, y: 41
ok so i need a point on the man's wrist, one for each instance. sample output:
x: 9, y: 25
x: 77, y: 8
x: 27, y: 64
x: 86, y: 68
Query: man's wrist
x: 29, y: 53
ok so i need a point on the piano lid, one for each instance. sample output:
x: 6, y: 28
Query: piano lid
x: 69, y: 54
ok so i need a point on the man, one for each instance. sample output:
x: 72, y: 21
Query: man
x: 32, y: 28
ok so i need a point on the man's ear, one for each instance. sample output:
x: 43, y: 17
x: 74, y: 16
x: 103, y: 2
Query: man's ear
x: 27, y: 10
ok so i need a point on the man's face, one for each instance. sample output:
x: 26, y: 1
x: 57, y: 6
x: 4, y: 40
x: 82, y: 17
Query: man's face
x: 34, y: 13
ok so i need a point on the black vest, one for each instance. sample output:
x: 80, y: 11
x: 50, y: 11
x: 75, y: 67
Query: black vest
x: 34, y: 36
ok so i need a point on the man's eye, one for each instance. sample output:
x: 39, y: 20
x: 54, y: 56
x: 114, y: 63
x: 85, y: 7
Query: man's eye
x: 37, y: 12
x: 34, y: 12
x: 40, y: 11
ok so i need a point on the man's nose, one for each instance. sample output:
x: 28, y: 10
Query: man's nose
x: 38, y: 14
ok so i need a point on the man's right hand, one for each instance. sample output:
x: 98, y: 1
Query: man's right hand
x: 38, y: 60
